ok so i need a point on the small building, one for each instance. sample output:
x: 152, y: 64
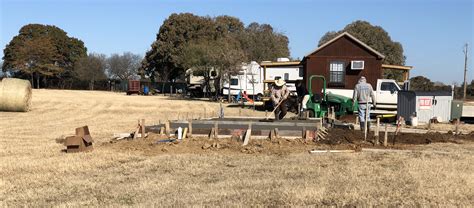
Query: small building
x: 343, y: 60
x: 425, y: 105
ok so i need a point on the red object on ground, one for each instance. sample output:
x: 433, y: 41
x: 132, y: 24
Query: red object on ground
x: 247, y: 97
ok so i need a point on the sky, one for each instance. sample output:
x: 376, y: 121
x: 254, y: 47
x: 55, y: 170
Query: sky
x: 432, y: 32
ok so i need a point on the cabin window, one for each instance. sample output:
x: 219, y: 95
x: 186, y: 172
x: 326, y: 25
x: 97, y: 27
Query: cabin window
x: 234, y: 82
x: 336, y: 72
x: 287, y: 76
x: 301, y: 72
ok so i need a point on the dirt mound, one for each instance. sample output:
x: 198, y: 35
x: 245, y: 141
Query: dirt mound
x: 337, y: 139
x: 154, y: 144
x: 342, y: 136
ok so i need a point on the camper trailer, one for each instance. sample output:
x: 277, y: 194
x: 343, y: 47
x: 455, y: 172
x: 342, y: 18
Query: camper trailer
x: 195, y: 82
x: 283, y: 68
x: 248, y: 80
x: 256, y: 79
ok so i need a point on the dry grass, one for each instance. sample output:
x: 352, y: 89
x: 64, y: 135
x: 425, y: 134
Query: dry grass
x: 35, y: 173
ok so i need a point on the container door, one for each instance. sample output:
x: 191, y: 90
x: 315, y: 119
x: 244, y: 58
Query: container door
x: 442, y: 108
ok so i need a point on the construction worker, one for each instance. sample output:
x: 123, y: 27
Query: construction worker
x: 279, y: 96
x: 363, y: 91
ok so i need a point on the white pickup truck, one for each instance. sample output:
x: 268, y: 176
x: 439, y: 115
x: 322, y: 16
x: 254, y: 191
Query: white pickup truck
x: 386, y: 93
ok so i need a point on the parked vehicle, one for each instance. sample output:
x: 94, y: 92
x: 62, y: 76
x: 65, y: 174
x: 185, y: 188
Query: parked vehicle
x: 133, y: 87
x: 319, y: 104
x: 386, y: 93
x: 196, y: 85
x: 249, y: 80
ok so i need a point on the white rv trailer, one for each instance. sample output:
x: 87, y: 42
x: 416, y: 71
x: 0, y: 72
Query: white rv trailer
x: 256, y: 79
x: 249, y: 80
x: 290, y: 71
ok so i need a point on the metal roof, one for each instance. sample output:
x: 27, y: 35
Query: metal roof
x: 351, y: 37
x: 286, y: 63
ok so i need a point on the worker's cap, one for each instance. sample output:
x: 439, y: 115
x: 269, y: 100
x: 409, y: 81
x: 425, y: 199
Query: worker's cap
x: 280, y: 82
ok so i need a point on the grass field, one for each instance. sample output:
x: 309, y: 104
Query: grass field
x: 34, y: 172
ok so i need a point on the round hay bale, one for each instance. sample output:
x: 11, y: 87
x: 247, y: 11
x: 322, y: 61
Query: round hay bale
x: 15, y: 95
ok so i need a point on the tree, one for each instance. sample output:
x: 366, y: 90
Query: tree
x: 123, y: 66
x: 44, y: 51
x: 262, y: 43
x: 228, y: 60
x: 377, y: 38
x: 421, y: 83
x: 164, y: 59
x: 174, y: 34
x: 223, y: 55
x: 91, y: 68
x: 35, y: 58
x: 2, y: 74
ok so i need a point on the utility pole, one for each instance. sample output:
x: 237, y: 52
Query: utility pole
x: 465, y: 70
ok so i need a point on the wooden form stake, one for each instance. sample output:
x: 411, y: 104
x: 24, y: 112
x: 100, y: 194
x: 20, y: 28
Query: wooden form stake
x: 162, y: 131
x: 140, y: 129
x: 185, y: 133
x: 377, y: 131
x: 190, y: 127
x: 167, y: 128
x: 212, y: 133
x: 247, y: 135
x: 142, y: 125
x: 385, y: 138
x: 272, y: 135
x: 216, y: 130
x: 308, y: 135
x: 456, y: 128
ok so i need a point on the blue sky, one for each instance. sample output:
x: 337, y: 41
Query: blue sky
x: 432, y: 32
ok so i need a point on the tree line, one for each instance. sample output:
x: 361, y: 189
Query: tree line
x: 421, y: 83
x: 49, y: 57
x: 204, y: 44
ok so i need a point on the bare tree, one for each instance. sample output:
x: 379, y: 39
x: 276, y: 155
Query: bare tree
x: 123, y: 66
x: 91, y: 68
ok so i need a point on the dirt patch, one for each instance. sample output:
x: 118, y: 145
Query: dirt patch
x: 341, y: 136
x: 337, y: 139
x: 151, y: 146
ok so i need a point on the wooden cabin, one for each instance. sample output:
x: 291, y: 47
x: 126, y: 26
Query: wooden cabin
x: 342, y: 61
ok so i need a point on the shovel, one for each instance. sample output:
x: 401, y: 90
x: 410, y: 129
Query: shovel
x: 274, y: 109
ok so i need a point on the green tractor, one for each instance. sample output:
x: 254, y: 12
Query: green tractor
x: 319, y: 104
